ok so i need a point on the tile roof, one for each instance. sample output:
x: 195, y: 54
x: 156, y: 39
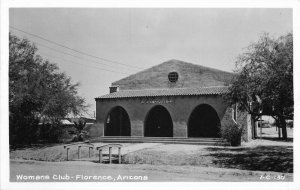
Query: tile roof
x: 166, y: 92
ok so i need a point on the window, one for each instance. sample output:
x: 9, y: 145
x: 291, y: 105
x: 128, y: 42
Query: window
x: 173, y: 77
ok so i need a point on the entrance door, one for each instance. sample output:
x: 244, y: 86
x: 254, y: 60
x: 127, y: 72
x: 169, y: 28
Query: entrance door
x: 204, y: 122
x: 158, y: 123
x: 117, y: 123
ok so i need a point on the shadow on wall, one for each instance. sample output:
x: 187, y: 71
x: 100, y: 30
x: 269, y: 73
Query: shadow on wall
x: 94, y: 130
x: 262, y: 158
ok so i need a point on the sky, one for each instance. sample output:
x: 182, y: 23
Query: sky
x: 111, y: 44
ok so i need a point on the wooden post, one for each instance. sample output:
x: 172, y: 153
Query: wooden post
x: 260, y: 127
x: 90, y: 151
x: 119, y: 152
x: 256, y: 129
x: 100, y: 155
x: 68, y: 154
x: 79, y: 152
x: 109, y: 148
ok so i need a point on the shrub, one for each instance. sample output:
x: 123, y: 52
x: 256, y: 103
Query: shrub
x: 80, y: 134
x: 50, y: 133
x: 232, y: 133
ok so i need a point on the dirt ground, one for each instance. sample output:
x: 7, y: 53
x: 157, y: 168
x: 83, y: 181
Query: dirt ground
x: 78, y: 171
x: 272, y: 133
x: 268, y: 155
x: 262, y: 155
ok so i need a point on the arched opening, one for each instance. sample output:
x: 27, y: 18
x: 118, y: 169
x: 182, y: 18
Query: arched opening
x: 117, y: 123
x: 204, y: 122
x: 158, y: 123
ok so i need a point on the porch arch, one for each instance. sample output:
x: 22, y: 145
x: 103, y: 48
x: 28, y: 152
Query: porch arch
x: 158, y: 123
x: 204, y: 122
x: 117, y: 122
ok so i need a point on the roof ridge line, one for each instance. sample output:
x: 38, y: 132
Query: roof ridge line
x: 171, y: 88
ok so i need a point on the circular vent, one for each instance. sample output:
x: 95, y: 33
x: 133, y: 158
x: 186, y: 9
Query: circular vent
x: 173, y: 77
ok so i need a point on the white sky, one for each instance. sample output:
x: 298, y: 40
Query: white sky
x: 143, y: 38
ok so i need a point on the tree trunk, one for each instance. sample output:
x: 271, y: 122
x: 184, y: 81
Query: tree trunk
x: 278, y: 127
x: 253, y: 124
x: 284, y: 132
x: 283, y: 128
x: 256, y: 129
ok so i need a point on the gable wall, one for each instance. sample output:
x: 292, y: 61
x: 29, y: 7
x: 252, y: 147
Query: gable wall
x: 190, y: 76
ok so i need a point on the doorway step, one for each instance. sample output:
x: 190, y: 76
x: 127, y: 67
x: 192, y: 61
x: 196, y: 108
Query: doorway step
x: 166, y: 140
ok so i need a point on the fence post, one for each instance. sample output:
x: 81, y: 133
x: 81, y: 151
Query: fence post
x: 119, y: 152
x: 90, y: 151
x: 79, y: 152
x: 109, y: 154
x: 68, y: 154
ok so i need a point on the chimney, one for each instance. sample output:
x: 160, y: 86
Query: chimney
x: 113, y: 89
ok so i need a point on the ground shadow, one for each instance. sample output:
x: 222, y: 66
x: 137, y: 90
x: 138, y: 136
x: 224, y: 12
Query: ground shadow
x: 278, y: 139
x: 33, y: 146
x: 262, y: 158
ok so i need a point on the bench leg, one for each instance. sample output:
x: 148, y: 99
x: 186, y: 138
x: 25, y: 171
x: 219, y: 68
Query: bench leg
x: 67, y: 154
x: 109, y: 154
x: 79, y: 152
x: 100, y: 156
x: 90, y: 151
x: 119, y: 152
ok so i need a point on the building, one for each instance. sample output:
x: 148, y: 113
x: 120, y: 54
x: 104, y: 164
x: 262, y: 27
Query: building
x: 172, y: 99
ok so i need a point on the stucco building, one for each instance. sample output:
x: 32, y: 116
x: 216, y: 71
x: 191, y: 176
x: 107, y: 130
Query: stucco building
x: 172, y: 99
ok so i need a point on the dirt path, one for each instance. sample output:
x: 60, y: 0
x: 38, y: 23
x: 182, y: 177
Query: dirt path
x: 94, y: 172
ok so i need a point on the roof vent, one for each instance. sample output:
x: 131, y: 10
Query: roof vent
x: 173, y: 77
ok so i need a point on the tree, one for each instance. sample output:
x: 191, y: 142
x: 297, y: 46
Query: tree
x: 37, y: 91
x: 265, y: 72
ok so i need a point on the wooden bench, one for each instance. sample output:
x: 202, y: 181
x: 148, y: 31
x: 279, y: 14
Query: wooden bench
x: 79, y: 144
x: 110, y: 146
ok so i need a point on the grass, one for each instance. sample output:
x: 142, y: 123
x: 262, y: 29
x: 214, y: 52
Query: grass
x: 275, y: 158
x: 257, y: 158
x: 54, y: 153
x: 257, y: 155
x: 262, y: 158
x: 169, y: 154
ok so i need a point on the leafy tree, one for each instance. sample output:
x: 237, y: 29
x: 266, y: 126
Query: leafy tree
x: 37, y: 92
x: 265, y: 75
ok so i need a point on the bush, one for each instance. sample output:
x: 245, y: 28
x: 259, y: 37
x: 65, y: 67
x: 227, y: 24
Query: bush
x: 50, y: 133
x: 22, y: 130
x: 80, y: 134
x: 232, y: 133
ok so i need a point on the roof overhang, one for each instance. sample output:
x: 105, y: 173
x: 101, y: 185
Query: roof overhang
x: 217, y: 90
